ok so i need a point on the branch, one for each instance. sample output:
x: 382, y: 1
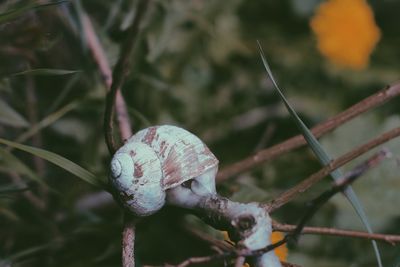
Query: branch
x: 339, y: 186
x: 102, y: 63
x: 227, y: 256
x: 268, y: 154
x: 248, y: 225
x: 128, y: 241
x: 290, y: 194
x: 120, y: 72
x: 221, y: 246
x: 114, y: 83
x: 391, y: 239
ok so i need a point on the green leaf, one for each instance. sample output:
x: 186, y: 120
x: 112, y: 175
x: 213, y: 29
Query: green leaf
x: 59, y: 161
x: 46, y: 72
x: 11, y: 162
x: 11, y: 189
x: 30, y: 252
x: 47, y: 121
x: 64, y: 92
x: 14, y: 13
x: 322, y: 155
x: 10, y: 117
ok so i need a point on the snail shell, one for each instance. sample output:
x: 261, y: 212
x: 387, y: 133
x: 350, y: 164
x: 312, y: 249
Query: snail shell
x: 156, y: 159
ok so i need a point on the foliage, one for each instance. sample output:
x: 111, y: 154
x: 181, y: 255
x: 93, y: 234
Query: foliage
x: 196, y: 65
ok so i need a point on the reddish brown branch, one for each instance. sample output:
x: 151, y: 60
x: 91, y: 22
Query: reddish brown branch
x: 102, y: 63
x: 392, y: 239
x: 290, y: 194
x: 218, y: 257
x: 128, y: 241
x: 339, y: 186
x: 268, y: 154
x: 120, y: 72
x: 113, y: 82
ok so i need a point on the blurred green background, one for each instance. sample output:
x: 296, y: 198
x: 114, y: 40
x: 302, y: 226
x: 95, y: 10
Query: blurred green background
x: 195, y: 65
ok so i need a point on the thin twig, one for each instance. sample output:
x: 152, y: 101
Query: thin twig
x: 290, y: 194
x: 128, y: 241
x: 241, y: 254
x: 268, y: 154
x: 120, y: 71
x: 102, y: 63
x: 114, y: 95
x: 318, y: 202
x: 230, y: 255
x: 391, y: 239
x: 339, y: 186
x: 204, y: 259
x: 28, y: 194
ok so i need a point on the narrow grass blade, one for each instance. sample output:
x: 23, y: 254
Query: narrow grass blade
x: 10, y: 117
x: 323, y: 156
x: 50, y: 119
x: 12, y: 163
x: 14, y: 13
x: 46, y: 72
x: 64, y: 92
x: 12, y: 189
x: 59, y: 161
x: 138, y: 115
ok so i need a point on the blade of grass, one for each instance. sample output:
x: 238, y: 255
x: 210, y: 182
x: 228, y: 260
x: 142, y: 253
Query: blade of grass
x: 29, y: 252
x: 64, y: 92
x: 50, y: 119
x: 140, y: 116
x: 12, y: 163
x: 12, y: 189
x: 14, y: 13
x: 59, y: 161
x: 322, y: 155
x: 46, y: 72
x: 10, y: 117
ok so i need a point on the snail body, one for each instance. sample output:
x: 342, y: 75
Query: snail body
x: 155, y: 160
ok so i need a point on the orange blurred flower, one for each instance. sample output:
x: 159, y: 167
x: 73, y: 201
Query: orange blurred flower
x: 346, y: 32
x: 280, y: 251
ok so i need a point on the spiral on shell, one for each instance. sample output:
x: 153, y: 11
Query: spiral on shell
x: 154, y: 160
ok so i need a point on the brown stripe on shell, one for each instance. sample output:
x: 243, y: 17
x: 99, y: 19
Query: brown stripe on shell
x: 138, y: 171
x: 150, y: 135
x: 132, y: 153
x: 172, y: 170
x: 186, y: 164
x: 163, y: 148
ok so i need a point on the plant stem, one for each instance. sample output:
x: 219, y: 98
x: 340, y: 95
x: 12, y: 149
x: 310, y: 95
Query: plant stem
x: 128, y: 241
x: 268, y: 154
x: 293, y: 192
x: 120, y: 72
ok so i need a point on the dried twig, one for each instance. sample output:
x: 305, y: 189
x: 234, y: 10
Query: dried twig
x: 339, y: 186
x: 230, y: 255
x: 268, y: 154
x: 314, y: 207
x: 113, y: 82
x: 101, y: 60
x: 38, y: 203
x: 114, y: 94
x: 128, y: 241
x: 391, y: 239
x: 290, y: 194
x: 120, y: 71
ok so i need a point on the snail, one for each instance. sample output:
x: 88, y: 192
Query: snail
x: 167, y: 164
x: 154, y: 163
